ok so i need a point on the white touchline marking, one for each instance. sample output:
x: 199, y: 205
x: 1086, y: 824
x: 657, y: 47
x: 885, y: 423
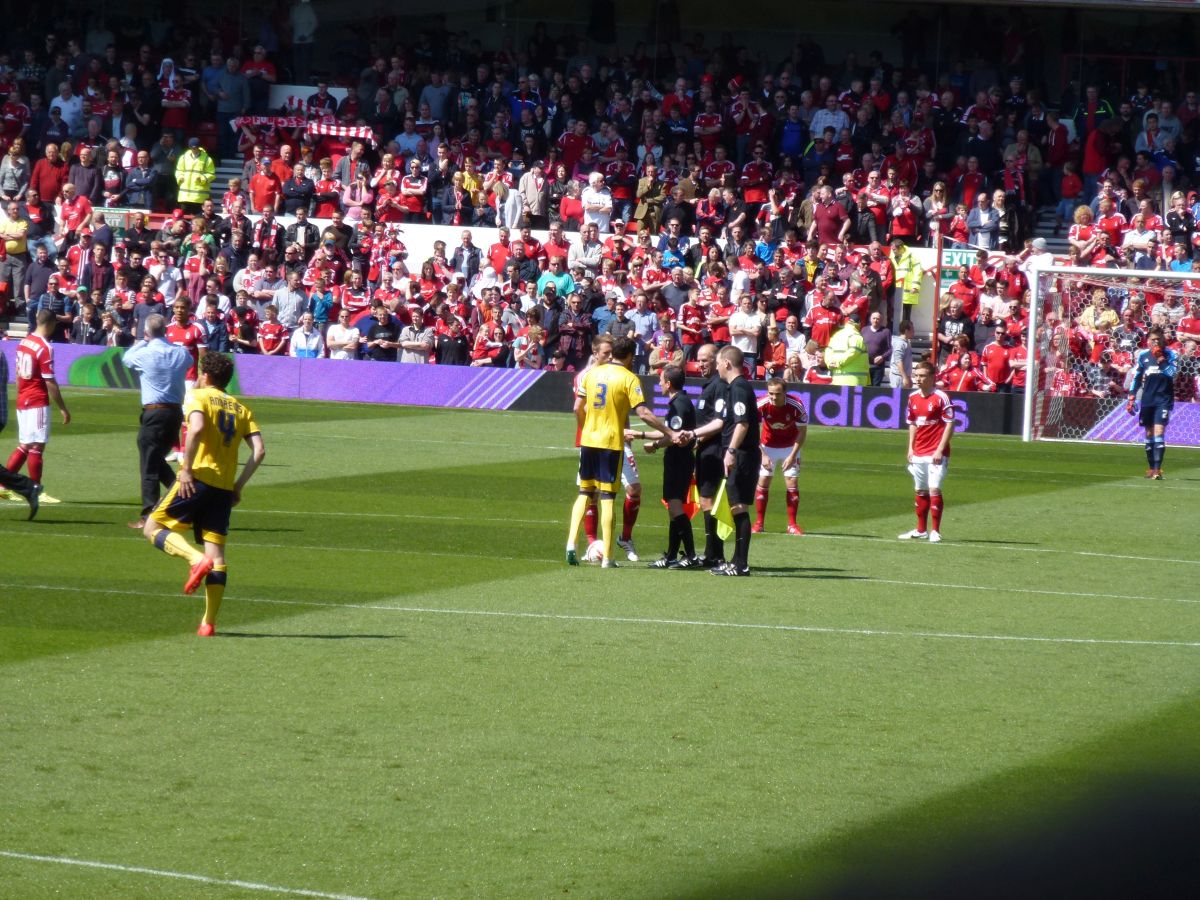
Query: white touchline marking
x: 183, y: 876
x: 870, y: 579
x: 645, y: 620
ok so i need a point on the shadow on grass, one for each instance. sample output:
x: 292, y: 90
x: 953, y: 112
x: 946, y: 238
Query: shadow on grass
x: 311, y: 637
x: 794, y: 569
x: 1113, y: 817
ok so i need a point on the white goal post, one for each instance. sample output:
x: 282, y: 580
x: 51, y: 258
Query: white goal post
x: 1079, y: 364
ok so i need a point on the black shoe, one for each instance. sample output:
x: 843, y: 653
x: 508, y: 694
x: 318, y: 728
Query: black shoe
x: 662, y: 563
x: 33, y: 495
x: 709, y: 562
x: 730, y: 569
x: 686, y: 562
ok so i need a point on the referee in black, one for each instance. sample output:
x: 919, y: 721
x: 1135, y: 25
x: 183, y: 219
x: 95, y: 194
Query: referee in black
x: 15, y: 481
x: 742, y: 458
x: 710, y: 470
x: 162, y: 368
x: 679, y: 463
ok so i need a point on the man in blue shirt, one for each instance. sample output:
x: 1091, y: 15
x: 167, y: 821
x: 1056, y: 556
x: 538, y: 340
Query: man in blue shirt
x: 162, y: 367
x: 15, y: 481
x: 1154, y: 376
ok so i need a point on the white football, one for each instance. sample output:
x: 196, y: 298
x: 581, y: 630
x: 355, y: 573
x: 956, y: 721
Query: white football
x: 595, y: 552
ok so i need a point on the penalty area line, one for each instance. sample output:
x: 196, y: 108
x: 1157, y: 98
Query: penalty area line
x: 179, y: 876
x: 647, y: 620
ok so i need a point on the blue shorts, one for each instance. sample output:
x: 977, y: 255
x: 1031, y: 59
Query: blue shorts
x: 1149, y: 416
x: 207, y: 510
x: 599, y: 470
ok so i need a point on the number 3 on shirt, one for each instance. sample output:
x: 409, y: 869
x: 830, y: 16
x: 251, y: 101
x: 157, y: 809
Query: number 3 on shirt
x: 601, y: 396
x: 227, y: 425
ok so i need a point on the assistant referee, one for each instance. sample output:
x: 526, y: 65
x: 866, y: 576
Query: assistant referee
x: 161, y: 367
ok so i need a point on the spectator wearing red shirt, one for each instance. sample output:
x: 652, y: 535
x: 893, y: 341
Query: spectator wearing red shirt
x: 830, y: 219
x: 996, y: 361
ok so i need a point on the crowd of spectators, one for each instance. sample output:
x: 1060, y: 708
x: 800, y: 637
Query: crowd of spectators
x: 759, y: 205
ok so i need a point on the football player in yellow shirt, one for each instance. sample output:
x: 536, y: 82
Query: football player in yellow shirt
x: 207, y: 486
x: 606, y: 395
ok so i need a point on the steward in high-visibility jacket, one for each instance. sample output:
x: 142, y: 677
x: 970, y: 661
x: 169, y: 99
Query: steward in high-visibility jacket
x: 194, y: 172
x: 846, y: 355
x: 909, y: 275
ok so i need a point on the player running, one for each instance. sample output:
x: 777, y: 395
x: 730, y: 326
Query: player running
x: 205, y: 490
x: 606, y: 394
x: 1154, y: 376
x: 784, y: 428
x: 36, y: 387
x: 930, y: 425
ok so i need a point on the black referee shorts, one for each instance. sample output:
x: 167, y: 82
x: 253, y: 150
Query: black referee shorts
x: 710, y: 471
x: 743, y: 478
x: 677, y: 478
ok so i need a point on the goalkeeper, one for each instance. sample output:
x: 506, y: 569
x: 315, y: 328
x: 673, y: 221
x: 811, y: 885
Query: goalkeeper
x: 1154, y: 376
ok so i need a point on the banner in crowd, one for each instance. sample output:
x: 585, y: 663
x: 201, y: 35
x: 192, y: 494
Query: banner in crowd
x: 464, y: 387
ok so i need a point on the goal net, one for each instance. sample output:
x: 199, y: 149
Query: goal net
x: 1086, y: 328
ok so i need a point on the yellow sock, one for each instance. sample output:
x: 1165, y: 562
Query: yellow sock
x: 214, y: 593
x: 606, y: 525
x: 577, y: 514
x: 174, y: 544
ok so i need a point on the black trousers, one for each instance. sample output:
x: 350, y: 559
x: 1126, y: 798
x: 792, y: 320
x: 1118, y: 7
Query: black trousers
x: 22, y: 484
x: 157, y: 434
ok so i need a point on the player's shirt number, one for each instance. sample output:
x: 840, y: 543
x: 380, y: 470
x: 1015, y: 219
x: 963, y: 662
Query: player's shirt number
x: 227, y: 425
x: 601, y: 396
x: 24, y: 365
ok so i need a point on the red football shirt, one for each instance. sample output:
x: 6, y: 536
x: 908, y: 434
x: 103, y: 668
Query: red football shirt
x: 35, y: 364
x: 781, y: 424
x: 190, y: 337
x: 930, y: 415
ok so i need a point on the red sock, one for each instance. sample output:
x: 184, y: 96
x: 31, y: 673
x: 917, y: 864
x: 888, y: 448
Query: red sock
x: 761, y: 496
x: 793, y: 505
x: 922, y: 512
x: 632, y: 505
x: 935, y: 509
x: 589, y: 522
x: 35, y: 465
x: 16, y: 460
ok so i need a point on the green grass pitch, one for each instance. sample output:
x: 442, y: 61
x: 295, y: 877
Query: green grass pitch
x: 412, y: 695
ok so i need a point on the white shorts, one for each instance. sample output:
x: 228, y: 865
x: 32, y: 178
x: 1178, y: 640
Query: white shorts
x: 629, y: 471
x: 33, y: 425
x: 777, y: 455
x: 926, y: 475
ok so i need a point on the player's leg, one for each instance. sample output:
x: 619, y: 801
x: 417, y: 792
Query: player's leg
x: 608, y: 477
x: 919, y: 468
x: 591, y: 520
x: 586, y: 496
x: 1146, y: 417
x: 174, y: 514
x: 674, y: 537
x: 631, y: 479
x: 16, y: 459
x: 1160, y: 441
x: 762, y: 493
x: 214, y: 587
x: 792, y: 483
x: 22, y: 485
x: 936, y: 502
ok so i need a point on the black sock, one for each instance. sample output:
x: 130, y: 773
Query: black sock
x: 710, y: 535
x: 683, y: 526
x: 673, y: 538
x: 741, y: 548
